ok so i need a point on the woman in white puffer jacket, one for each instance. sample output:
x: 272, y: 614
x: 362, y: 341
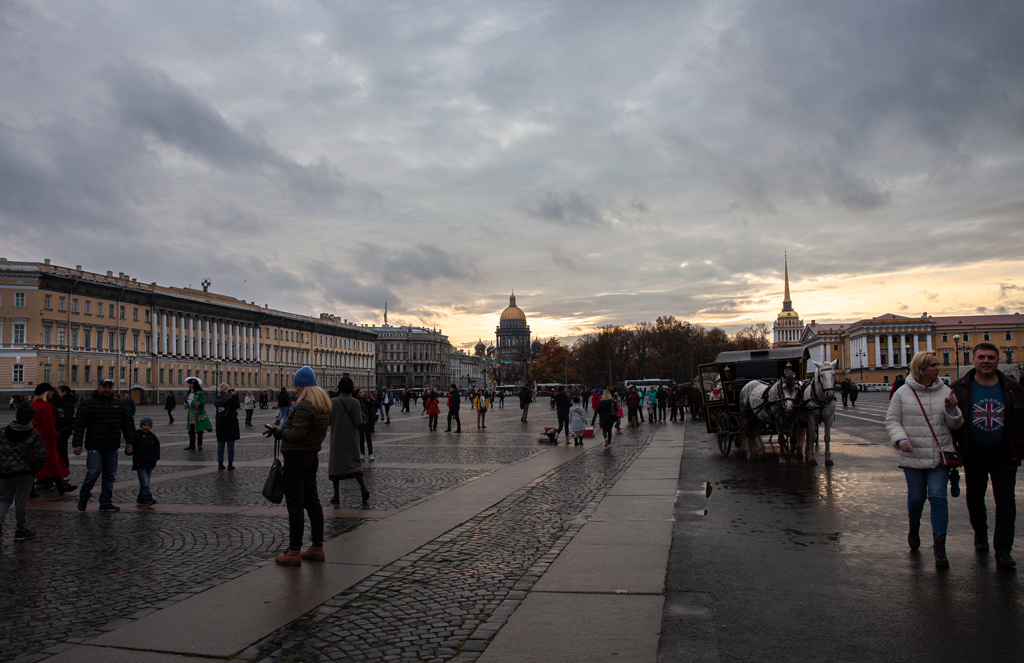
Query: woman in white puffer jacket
x: 919, y: 449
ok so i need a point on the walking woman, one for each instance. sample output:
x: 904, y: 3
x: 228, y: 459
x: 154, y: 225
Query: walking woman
x: 480, y: 403
x: 369, y: 408
x: 577, y: 422
x: 227, y: 404
x: 607, y: 410
x: 433, y: 407
x: 301, y: 438
x: 169, y: 405
x: 921, y: 414
x: 198, y: 421
x: 346, y: 415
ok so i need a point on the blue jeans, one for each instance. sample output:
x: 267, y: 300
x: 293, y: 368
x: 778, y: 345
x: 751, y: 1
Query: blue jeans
x: 144, y: 475
x: 99, y: 461
x: 231, y: 451
x: 930, y: 484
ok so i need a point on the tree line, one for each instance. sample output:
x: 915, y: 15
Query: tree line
x: 667, y: 348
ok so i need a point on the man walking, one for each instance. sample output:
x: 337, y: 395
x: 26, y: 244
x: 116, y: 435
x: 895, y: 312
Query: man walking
x: 101, y: 421
x: 844, y: 389
x: 454, y: 402
x: 525, y: 398
x: 992, y: 444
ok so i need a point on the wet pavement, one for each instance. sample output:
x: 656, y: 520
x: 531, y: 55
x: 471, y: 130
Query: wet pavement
x: 772, y: 562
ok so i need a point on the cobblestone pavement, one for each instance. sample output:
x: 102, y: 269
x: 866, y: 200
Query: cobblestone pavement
x: 89, y: 573
x: 446, y: 600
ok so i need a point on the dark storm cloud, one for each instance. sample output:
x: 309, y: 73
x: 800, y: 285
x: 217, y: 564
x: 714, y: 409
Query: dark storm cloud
x: 419, y: 263
x: 148, y: 100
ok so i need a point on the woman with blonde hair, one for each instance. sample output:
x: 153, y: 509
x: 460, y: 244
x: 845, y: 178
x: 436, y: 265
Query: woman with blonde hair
x: 301, y: 438
x: 607, y: 410
x: 920, y: 416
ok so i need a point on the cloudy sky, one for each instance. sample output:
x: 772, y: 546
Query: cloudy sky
x: 609, y: 161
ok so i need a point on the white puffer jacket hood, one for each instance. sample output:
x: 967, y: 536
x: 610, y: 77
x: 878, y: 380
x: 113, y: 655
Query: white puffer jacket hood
x: 905, y: 420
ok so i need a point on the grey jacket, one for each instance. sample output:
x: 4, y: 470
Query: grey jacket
x: 346, y: 415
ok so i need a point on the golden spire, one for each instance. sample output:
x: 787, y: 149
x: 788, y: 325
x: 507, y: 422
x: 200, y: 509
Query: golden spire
x: 786, y: 299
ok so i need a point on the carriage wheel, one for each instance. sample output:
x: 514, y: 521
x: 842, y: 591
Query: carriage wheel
x: 725, y: 434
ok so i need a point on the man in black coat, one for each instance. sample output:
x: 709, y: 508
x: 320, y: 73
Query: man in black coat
x: 100, y: 423
x: 992, y: 443
x: 454, y: 403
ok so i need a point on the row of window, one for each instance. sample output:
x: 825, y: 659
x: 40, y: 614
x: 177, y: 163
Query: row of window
x: 986, y: 336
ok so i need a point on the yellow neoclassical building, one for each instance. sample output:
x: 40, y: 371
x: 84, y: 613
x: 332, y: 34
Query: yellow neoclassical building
x: 877, y: 350
x: 70, y: 326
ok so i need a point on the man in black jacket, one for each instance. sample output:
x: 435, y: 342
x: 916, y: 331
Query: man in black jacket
x: 992, y: 443
x: 454, y: 403
x: 101, y: 421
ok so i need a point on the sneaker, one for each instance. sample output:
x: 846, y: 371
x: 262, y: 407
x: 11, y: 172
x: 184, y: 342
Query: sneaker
x: 362, y: 456
x: 372, y: 458
x: 109, y: 507
x: 148, y: 501
x: 24, y: 534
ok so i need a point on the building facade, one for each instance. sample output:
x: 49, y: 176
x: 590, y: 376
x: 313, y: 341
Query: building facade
x: 75, y: 327
x: 412, y: 357
x: 877, y: 350
x: 468, y: 371
x: 513, y: 334
x: 788, y: 326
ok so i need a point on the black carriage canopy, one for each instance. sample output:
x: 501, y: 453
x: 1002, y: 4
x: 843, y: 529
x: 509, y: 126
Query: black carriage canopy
x: 765, y: 364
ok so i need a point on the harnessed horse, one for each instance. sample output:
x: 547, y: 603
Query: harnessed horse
x: 819, y: 405
x: 778, y: 403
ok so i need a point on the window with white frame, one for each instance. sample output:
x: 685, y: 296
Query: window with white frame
x: 88, y: 307
x: 18, y: 337
x: 74, y: 304
x: 18, y: 373
x: 62, y: 335
x: 48, y: 302
x: 47, y: 334
x: 19, y: 300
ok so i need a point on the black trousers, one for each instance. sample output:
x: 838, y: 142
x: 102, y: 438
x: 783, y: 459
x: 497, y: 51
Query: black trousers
x: 432, y: 421
x: 1004, y: 483
x: 300, y: 495
x: 453, y: 413
x: 563, y: 420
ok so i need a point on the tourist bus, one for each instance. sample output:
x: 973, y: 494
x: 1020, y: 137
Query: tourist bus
x: 650, y: 383
x: 549, y: 388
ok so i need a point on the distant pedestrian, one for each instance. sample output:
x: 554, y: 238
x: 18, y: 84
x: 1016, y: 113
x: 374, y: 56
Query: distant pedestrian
x: 454, y: 403
x: 897, y: 383
x: 433, y: 407
x: 250, y: 406
x: 577, y: 422
x: 346, y: 419
x: 284, y: 401
x: 169, y: 404
x: 22, y: 454
x: 45, y: 423
x: 301, y: 440
x: 100, y: 423
x: 386, y: 398
x: 919, y: 420
x: 633, y: 402
x: 228, y: 433
x: 145, y: 452
x: 480, y: 403
x: 562, y: 404
x: 501, y: 399
x: 198, y: 420
x: 369, y: 408
x: 661, y: 396
x: 525, y: 398
x: 844, y: 390
x: 607, y: 408
x: 854, y: 392
x: 66, y: 402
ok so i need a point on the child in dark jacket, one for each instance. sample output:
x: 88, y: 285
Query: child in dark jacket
x: 22, y: 454
x: 145, y: 452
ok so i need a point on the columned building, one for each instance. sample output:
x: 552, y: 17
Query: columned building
x: 877, y: 350
x: 788, y: 325
x: 75, y: 327
x: 412, y: 357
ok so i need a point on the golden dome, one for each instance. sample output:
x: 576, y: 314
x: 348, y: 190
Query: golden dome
x: 513, y: 312
x: 788, y: 314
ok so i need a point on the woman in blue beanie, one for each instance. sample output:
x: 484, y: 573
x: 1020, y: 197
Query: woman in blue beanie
x: 301, y: 438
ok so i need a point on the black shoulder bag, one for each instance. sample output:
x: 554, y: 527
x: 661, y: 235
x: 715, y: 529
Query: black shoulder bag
x: 273, y: 489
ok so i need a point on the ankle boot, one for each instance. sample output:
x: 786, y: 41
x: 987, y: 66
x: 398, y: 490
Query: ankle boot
x: 313, y: 554
x: 220, y: 467
x: 914, y: 537
x: 289, y: 558
x: 940, y: 551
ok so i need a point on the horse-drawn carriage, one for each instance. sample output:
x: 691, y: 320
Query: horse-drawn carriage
x: 750, y: 393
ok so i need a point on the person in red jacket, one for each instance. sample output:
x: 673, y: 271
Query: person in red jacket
x: 433, y: 410
x: 45, y: 423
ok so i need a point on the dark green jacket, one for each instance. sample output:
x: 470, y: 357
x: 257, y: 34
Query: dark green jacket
x: 305, y: 428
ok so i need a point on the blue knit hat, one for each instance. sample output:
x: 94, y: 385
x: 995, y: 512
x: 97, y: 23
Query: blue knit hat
x: 304, y: 377
x: 146, y: 420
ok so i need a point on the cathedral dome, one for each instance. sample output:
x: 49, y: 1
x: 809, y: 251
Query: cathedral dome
x: 513, y: 312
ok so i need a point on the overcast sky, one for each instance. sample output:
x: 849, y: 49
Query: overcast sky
x: 609, y: 161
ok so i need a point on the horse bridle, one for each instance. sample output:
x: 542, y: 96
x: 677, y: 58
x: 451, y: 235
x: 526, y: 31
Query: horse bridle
x: 830, y: 395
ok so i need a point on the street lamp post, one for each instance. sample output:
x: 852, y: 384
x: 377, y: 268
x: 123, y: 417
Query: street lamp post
x: 216, y: 371
x: 862, y: 356
x: 956, y: 343
x: 130, y: 356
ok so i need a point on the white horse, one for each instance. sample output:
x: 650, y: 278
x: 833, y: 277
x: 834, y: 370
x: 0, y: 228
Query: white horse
x: 761, y: 403
x: 819, y: 405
